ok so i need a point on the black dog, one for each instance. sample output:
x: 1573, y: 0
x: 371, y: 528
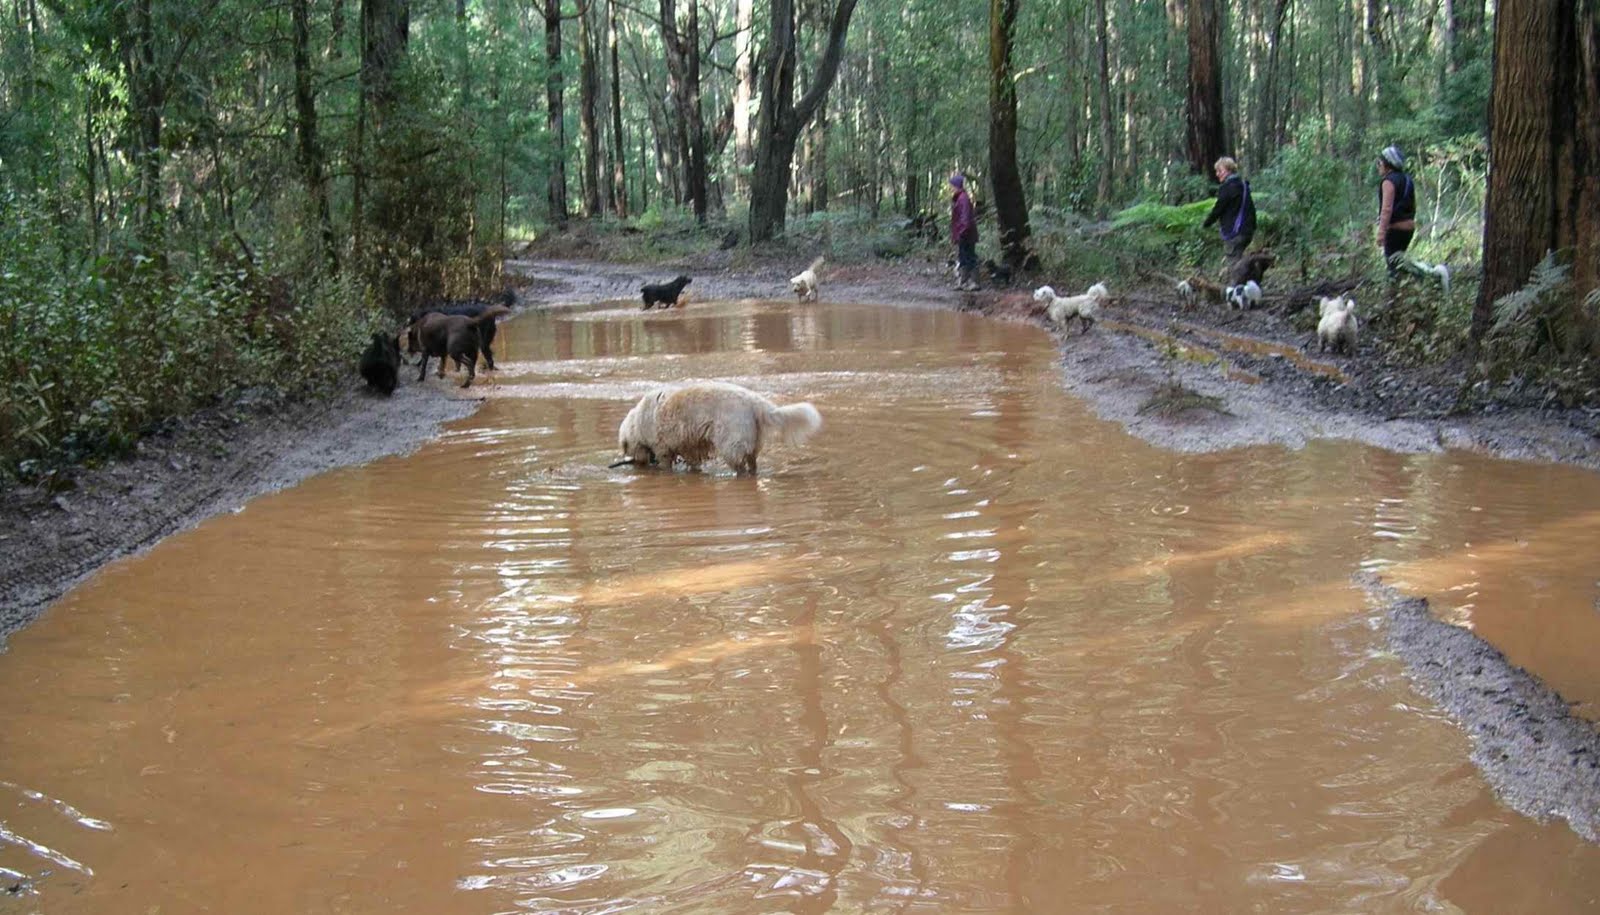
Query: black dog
x: 998, y: 273
x: 665, y: 293
x: 380, y: 364
x: 471, y: 309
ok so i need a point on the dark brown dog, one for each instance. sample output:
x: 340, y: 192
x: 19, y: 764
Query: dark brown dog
x: 1251, y: 267
x: 455, y: 337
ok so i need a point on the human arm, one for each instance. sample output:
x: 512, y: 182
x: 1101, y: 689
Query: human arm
x: 1385, y: 210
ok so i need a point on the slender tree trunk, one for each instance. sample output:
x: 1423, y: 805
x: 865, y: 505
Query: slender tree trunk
x: 743, y: 90
x: 1108, y: 167
x: 309, y: 147
x: 1206, y: 140
x: 619, y: 177
x: 555, y: 115
x: 148, y: 100
x: 683, y: 66
x: 588, y: 117
x: 781, y: 120
x: 1011, y: 208
x: 1544, y: 154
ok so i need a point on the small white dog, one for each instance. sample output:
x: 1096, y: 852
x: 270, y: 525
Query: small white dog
x: 1084, y: 307
x: 1337, y: 328
x: 804, y: 283
x: 1245, y: 296
x: 702, y: 419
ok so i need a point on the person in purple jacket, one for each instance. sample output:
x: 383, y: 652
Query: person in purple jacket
x: 964, y: 234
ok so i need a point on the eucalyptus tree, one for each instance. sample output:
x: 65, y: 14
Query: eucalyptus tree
x: 781, y: 118
x: 1544, y: 155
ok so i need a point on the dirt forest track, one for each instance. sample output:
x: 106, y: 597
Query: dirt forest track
x: 1264, y: 390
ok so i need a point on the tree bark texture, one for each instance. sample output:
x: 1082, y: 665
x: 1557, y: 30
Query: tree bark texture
x: 781, y: 119
x: 555, y: 115
x: 1011, y: 208
x: 588, y: 115
x: 1544, y: 154
x: 619, y: 161
x: 1107, y: 130
x: 309, y: 147
x: 743, y: 91
x: 1206, y: 140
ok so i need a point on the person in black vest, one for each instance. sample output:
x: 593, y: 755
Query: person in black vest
x: 1397, y: 205
x: 1235, y: 210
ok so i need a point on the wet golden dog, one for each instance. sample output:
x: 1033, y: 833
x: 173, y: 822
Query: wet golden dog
x: 703, y: 419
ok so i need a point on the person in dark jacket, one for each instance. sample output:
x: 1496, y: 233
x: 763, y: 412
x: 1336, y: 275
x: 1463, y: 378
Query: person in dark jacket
x: 1235, y: 209
x: 1397, y: 205
x: 964, y: 234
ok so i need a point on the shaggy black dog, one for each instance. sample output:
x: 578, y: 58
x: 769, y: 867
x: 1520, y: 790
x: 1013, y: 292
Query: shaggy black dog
x: 471, y: 309
x: 380, y: 364
x: 664, y: 293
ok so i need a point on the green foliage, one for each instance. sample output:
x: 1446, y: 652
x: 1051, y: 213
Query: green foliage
x: 1314, y: 190
x: 1542, y: 331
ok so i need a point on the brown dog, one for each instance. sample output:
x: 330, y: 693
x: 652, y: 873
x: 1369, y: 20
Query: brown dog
x: 455, y: 337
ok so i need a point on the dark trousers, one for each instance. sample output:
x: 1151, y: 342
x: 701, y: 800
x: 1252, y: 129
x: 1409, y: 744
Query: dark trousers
x: 967, y: 255
x: 1234, y: 247
x: 1396, y: 241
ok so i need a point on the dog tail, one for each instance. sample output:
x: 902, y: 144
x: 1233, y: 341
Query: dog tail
x: 794, y: 423
x: 490, y: 313
x: 815, y: 264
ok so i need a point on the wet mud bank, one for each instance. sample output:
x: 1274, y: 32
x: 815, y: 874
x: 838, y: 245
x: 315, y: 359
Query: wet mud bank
x: 1540, y: 759
x: 203, y: 465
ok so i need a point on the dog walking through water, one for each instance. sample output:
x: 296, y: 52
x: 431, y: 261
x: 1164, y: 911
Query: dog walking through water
x: 456, y: 337
x: 705, y: 419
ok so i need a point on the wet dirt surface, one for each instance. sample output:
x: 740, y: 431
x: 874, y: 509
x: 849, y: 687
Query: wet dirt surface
x: 972, y: 648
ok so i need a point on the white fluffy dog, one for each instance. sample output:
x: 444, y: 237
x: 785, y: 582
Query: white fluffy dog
x: 804, y: 283
x: 1337, y: 328
x: 1244, y: 296
x: 1084, y: 307
x: 704, y: 418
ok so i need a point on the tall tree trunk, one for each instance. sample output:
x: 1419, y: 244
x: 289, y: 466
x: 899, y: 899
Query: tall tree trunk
x: 1011, y: 208
x: 1206, y: 140
x: 619, y: 164
x: 1267, y: 133
x: 148, y: 101
x: 555, y: 114
x: 588, y: 116
x: 781, y: 119
x: 744, y: 89
x: 1463, y: 31
x: 309, y: 147
x: 1544, y: 154
x: 1108, y: 166
x: 683, y: 66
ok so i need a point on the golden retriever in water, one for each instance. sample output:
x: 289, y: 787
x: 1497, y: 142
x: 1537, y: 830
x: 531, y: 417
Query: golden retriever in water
x: 710, y: 418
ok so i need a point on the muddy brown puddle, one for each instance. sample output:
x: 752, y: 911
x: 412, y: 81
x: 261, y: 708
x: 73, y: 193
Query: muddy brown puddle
x: 971, y: 649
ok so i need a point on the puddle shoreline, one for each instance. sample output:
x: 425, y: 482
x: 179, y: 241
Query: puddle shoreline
x: 52, y: 543
x: 1541, y: 760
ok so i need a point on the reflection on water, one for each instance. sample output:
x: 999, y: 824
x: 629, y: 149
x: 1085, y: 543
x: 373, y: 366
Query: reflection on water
x: 968, y: 650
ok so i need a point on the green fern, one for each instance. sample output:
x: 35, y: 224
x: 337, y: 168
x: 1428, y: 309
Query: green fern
x: 1531, y: 306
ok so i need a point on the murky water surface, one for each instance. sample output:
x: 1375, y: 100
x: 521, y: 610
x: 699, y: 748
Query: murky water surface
x: 969, y: 650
